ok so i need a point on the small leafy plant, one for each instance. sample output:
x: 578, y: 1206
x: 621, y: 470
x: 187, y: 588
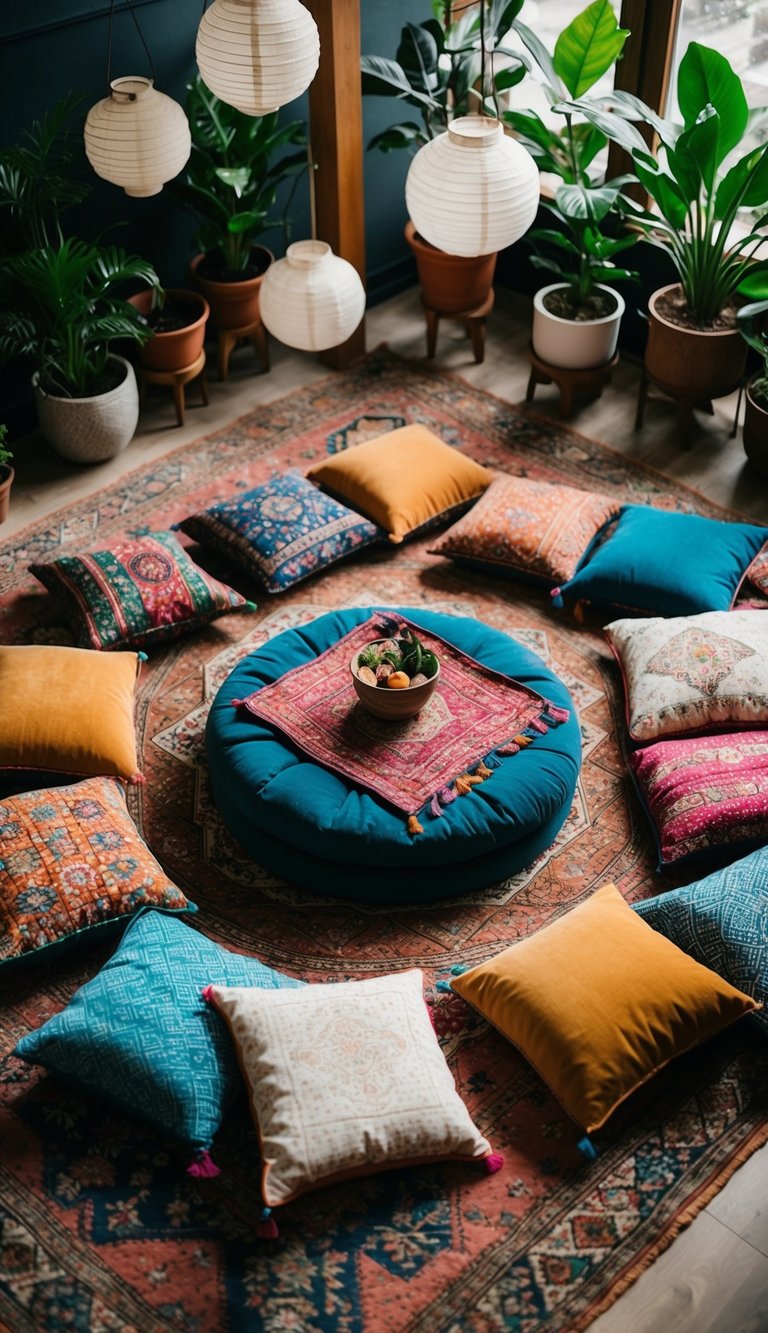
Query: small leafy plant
x: 5, y: 453
x: 402, y: 656
x: 751, y: 324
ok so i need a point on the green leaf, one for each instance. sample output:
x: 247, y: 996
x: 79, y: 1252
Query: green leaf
x: 755, y: 285
x: 705, y: 76
x: 616, y: 128
x: 588, y: 47
x: 417, y: 56
x: 398, y: 136
x: 551, y: 237
x: 385, y: 78
x: 666, y: 193
x: 745, y: 185
x: 693, y: 160
x: 237, y: 178
x: 509, y: 77
x: 542, y: 57
x: 629, y: 107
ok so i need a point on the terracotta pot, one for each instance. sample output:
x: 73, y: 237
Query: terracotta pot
x: 90, y: 430
x: 755, y: 433
x: 234, y: 305
x: 574, y: 344
x: 177, y: 348
x: 6, y: 482
x: 450, y: 284
x: 692, y: 363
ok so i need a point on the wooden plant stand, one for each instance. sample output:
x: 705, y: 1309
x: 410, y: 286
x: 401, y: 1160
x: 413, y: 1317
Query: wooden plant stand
x: 685, y: 407
x: 255, y: 334
x: 473, y: 321
x: 176, y: 379
x: 568, y: 381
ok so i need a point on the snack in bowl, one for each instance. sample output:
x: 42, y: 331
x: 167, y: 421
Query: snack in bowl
x: 394, y: 678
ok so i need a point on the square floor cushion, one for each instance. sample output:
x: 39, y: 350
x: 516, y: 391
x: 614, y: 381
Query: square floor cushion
x: 530, y: 529
x: 706, y: 796
x: 345, y: 1080
x: 140, y: 1034
x: 692, y: 673
x: 72, y: 866
x: 660, y: 563
x: 282, y: 531
x: 68, y: 710
x: 137, y: 593
x: 722, y: 922
x: 404, y: 481
x: 598, y: 1002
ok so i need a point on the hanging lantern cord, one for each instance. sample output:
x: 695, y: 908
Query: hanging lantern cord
x: 137, y: 26
x: 453, y: 10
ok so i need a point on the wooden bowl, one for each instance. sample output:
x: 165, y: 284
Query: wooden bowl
x: 392, y: 704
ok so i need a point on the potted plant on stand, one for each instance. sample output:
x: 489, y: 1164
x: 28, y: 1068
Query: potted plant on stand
x: 750, y: 320
x: 437, y: 71
x: 231, y: 183
x: 176, y: 319
x: 6, y: 473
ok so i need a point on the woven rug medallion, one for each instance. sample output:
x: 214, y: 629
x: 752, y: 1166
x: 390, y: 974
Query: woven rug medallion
x: 101, y: 1229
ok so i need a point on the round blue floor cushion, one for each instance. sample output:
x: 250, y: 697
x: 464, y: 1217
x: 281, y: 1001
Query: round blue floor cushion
x: 316, y: 829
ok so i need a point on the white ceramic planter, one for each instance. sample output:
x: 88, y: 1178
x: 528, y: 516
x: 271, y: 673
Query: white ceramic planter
x: 90, y: 430
x: 574, y: 344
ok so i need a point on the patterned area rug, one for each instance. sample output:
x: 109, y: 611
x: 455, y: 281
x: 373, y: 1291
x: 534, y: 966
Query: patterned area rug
x: 101, y: 1229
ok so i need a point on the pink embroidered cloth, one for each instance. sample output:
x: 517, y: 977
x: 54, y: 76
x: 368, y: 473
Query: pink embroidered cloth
x: 474, y: 715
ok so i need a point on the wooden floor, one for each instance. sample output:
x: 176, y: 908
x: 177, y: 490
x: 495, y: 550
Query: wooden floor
x: 714, y: 1278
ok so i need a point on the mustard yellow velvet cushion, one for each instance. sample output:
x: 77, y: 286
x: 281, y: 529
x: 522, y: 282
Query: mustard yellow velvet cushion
x: 598, y: 1005
x: 68, y: 710
x: 403, y: 480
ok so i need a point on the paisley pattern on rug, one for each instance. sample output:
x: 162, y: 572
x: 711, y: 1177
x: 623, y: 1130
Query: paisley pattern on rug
x: 101, y: 1228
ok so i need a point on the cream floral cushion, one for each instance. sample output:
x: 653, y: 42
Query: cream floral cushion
x: 345, y: 1079
x: 689, y: 673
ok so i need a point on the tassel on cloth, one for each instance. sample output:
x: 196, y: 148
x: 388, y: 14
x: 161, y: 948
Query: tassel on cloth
x: 466, y: 782
x: 492, y: 762
x: 204, y: 1167
x: 587, y: 1148
x: 137, y: 780
x: 446, y: 795
x: 538, y: 724
x: 444, y: 987
x: 578, y: 612
x: 556, y: 714
x: 459, y: 969
x: 266, y: 1227
x: 493, y: 1162
x: 435, y: 807
x: 414, y: 826
x: 512, y: 748
x: 207, y: 994
x: 483, y: 771
x: 557, y: 598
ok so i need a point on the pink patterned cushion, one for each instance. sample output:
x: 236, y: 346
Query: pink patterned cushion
x: 754, y: 590
x: 705, y: 794
x: 532, y: 528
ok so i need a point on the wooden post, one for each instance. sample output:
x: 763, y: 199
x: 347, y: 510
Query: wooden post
x: 645, y: 69
x: 336, y: 132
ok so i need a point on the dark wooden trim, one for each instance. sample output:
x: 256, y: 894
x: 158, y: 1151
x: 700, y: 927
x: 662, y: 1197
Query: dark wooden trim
x: 336, y: 132
x: 646, y: 66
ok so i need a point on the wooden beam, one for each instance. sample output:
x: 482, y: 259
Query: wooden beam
x: 336, y: 132
x: 645, y: 68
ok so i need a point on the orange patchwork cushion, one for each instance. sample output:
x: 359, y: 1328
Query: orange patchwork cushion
x: 68, y: 710
x: 535, y: 529
x: 598, y: 1002
x: 403, y: 481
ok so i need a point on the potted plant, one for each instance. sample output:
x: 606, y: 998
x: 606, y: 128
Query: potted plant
x: 576, y: 319
x: 231, y: 183
x: 176, y: 319
x: 750, y: 321
x: 437, y: 70
x: 697, y: 189
x: 6, y: 473
x: 59, y: 305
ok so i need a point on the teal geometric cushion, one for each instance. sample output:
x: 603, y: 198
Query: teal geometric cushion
x: 139, y: 592
x: 282, y: 531
x: 722, y: 922
x: 660, y: 563
x: 140, y: 1034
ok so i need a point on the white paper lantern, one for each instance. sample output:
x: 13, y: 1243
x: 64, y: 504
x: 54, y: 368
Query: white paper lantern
x: 137, y: 137
x: 257, y: 55
x: 473, y: 189
x: 312, y: 299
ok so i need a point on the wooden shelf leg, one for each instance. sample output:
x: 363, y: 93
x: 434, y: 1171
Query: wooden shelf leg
x: 178, y: 399
x: 566, y: 399
x: 203, y: 382
x: 476, y: 330
x: 261, y: 344
x: 227, y: 341
x: 532, y: 382
x: 433, y: 322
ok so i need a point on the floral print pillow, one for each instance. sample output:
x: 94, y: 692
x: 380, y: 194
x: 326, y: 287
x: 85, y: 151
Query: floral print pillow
x: 692, y: 673
x: 71, y: 863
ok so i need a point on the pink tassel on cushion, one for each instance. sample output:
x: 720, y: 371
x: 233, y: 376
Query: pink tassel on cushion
x: 539, y: 726
x: 137, y: 780
x: 493, y: 1162
x: 557, y: 713
x: 207, y: 994
x: 204, y: 1168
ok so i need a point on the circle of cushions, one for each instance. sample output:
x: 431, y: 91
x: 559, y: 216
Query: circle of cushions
x: 316, y: 829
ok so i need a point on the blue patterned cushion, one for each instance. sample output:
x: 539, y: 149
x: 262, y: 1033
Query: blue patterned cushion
x: 722, y: 922
x: 282, y: 531
x: 140, y: 1034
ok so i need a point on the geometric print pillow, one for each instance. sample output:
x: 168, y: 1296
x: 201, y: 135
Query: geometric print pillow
x: 692, y: 673
x: 140, y: 592
x: 72, y: 866
x: 722, y: 922
x: 282, y: 531
x: 534, y: 529
x: 140, y: 1035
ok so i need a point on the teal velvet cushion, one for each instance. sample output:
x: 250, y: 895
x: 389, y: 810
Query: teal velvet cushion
x: 312, y: 826
x: 722, y: 922
x: 140, y: 1034
x: 658, y: 563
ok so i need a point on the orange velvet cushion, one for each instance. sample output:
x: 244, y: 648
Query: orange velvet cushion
x: 403, y: 480
x: 598, y: 1002
x: 68, y: 710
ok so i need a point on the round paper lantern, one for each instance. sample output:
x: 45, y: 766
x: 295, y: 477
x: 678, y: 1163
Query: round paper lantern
x: 312, y: 299
x: 137, y: 137
x: 473, y: 189
x: 257, y: 55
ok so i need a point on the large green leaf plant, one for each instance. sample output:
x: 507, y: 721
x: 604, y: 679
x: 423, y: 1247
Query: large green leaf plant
x: 233, y: 174
x: 438, y: 69
x: 702, y: 174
